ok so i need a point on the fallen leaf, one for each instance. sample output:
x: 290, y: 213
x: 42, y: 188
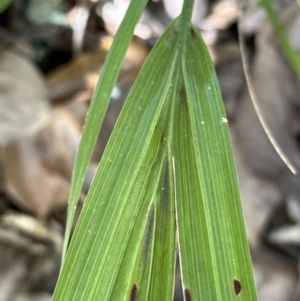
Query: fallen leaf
x: 24, y: 109
x: 37, y: 170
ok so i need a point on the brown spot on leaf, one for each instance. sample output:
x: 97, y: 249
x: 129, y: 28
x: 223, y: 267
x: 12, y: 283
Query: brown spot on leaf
x: 134, y: 293
x: 237, y: 287
x: 187, y: 295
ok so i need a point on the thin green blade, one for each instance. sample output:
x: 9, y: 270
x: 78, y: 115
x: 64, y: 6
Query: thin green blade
x: 4, y: 5
x: 164, y: 255
x: 169, y: 154
x: 98, y: 107
x: 102, y: 259
x: 280, y: 33
x: 213, y: 247
x: 156, y: 268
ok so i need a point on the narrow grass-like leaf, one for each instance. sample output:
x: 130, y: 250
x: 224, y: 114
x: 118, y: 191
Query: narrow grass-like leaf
x: 4, y: 4
x: 254, y: 97
x: 157, y: 264
x: 290, y: 53
x: 98, y: 107
x: 213, y: 247
x: 104, y: 253
x: 170, y: 151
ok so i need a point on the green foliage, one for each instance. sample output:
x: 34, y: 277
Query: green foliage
x: 212, y: 239
x: 281, y: 36
x: 4, y: 4
x: 166, y: 179
x: 99, y: 105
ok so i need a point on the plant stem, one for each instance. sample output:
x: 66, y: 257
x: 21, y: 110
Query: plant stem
x: 184, y: 24
x: 185, y: 16
x: 281, y: 36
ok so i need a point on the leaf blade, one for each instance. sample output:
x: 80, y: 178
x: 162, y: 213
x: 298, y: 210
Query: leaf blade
x: 217, y: 253
x: 158, y: 267
x: 98, y: 107
x: 110, y: 228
